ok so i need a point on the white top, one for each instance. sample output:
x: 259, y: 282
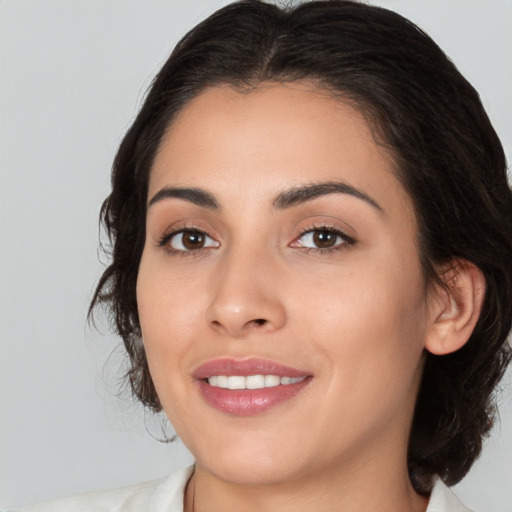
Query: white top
x: 166, y: 495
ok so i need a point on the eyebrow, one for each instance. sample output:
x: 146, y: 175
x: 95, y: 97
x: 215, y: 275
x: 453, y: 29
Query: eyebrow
x: 193, y: 195
x: 302, y: 194
x: 284, y: 200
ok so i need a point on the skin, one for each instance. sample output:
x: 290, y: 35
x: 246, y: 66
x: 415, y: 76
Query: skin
x: 357, y: 317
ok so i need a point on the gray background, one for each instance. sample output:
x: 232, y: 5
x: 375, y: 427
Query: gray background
x: 73, y: 73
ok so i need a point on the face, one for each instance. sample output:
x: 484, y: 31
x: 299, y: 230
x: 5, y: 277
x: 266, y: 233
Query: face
x: 281, y: 298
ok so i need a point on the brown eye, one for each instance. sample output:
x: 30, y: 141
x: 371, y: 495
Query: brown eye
x: 324, y: 239
x: 191, y: 240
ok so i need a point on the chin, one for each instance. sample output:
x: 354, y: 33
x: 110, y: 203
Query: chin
x: 251, y: 463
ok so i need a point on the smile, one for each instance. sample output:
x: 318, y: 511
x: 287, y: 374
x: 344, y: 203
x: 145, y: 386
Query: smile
x: 251, y: 381
x: 248, y: 387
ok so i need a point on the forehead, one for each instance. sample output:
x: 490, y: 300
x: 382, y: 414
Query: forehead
x: 271, y: 138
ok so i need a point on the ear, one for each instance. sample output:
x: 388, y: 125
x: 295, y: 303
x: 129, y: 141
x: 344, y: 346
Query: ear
x: 454, y: 307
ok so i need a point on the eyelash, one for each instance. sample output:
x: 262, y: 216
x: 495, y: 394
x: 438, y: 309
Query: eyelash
x: 164, y: 242
x: 347, y: 241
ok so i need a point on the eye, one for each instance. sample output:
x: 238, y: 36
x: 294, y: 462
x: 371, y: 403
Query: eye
x: 324, y: 238
x: 187, y: 240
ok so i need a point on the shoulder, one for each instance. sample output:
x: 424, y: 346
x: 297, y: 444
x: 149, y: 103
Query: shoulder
x: 163, y: 494
x: 442, y: 499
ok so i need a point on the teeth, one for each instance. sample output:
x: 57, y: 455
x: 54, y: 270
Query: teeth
x: 255, y: 382
x: 272, y: 380
x: 222, y: 381
x: 251, y: 381
x: 235, y: 382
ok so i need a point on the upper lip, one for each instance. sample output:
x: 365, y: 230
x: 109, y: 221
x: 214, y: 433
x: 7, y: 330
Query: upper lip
x: 244, y: 367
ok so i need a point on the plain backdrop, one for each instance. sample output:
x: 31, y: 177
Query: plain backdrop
x: 73, y: 74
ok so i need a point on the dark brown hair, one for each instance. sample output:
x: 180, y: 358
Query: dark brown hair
x: 448, y: 158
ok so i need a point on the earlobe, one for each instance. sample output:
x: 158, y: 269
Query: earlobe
x: 455, y: 307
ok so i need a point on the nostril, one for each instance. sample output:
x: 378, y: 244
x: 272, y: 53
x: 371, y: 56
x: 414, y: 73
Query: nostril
x: 260, y: 321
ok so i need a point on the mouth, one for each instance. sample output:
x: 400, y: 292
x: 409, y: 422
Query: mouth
x: 248, y: 387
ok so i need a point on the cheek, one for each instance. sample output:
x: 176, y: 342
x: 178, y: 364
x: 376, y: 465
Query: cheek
x: 167, y: 302
x: 370, y: 323
x: 371, y: 341
x: 167, y: 312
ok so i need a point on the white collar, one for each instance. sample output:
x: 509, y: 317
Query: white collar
x: 442, y: 499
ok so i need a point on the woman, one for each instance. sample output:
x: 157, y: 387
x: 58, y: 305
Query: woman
x: 312, y: 236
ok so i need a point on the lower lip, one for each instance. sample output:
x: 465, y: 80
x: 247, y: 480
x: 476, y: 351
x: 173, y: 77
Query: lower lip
x: 249, y: 402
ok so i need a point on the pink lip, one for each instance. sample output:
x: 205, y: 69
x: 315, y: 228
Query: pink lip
x: 247, y: 402
x: 253, y: 366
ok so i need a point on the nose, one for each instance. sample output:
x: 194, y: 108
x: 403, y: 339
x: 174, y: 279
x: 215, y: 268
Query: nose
x: 245, y: 297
